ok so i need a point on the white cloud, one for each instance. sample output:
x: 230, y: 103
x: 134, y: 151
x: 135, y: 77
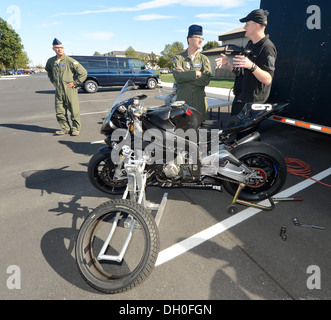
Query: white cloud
x: 213, y: 32
x: 140, y: 7
x: 50, y: 24
x: 215, y: 15
x: 218, y: 23
x: 162, y: 3
x: 98, y: 36
x: 86, y: 12
x: 155, y: 4
x: 149, y: 17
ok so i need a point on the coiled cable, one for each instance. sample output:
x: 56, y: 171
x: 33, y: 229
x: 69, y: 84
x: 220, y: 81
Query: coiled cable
x: 300, y: 168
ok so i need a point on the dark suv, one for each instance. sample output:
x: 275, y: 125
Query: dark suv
x: 115, y: 71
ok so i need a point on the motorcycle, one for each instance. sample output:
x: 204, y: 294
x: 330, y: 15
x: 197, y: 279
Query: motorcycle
x: 203, y: 161
x: 168, y: 146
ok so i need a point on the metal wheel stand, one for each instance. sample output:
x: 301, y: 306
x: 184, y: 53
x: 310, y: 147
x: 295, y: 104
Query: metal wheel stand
x: 136, y: 190
x: 232, y: 209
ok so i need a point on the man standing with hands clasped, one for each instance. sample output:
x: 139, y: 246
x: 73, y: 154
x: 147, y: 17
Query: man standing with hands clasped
x: 253, y: 82
x: 192, y: 72
x: 66, y: 74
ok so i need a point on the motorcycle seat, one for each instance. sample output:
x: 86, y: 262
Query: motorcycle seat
x: 211, y: 124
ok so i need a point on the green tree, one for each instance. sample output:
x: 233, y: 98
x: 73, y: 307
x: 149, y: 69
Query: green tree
x: 163, y: 62
x: 170, y: 50
x: 152, y: 59
x: 21, y: 61
x: 96, y: 53
x: 210, y: 45
x: 149, y: 59
x: 10, y: 46
x: 144, y: 58
x: 131, y: 53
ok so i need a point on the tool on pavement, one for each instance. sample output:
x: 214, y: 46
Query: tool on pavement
x: 300, y: 224
x: 283, y: 233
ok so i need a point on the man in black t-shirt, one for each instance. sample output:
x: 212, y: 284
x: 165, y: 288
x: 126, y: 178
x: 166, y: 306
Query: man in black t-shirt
x: 254, y: 72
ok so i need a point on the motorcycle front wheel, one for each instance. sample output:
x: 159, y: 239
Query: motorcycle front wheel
x: 101, y: 170
x: 270, y: 165
x: 97, y: 253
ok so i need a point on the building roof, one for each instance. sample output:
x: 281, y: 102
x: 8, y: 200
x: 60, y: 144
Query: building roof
x: 237, y: 33
x: 212, y: 52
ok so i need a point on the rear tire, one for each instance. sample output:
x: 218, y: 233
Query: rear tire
x: 268, y: 162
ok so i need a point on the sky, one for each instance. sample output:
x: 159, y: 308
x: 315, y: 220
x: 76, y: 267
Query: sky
x: 105, y: 25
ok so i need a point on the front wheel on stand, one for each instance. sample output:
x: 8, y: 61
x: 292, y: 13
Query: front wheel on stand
x: 101, y: 171
x: 117, y: 246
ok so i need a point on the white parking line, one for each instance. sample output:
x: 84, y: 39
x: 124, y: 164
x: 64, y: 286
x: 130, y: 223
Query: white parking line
x: 89, y: 113
x: 199, y: 238
x: 14, y: 77
x: 96, y: 100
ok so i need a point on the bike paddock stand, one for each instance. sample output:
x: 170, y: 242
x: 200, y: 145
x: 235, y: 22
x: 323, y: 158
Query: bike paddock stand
x: 136, y: 190
x: 232, y: 209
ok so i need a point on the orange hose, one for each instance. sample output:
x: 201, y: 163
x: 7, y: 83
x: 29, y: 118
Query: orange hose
x: 300, y: 168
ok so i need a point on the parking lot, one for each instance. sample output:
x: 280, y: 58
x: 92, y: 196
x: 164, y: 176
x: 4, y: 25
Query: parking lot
x: 206, y: 254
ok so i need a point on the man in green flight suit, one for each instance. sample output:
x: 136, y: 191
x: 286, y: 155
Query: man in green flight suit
x: 66, y: 74
x: 192, y: 72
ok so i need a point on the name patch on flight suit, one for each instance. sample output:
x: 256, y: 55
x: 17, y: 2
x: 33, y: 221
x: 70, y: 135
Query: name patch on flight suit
x: 197, y: 65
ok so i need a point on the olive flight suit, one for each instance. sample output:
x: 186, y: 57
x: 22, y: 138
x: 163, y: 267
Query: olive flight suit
x: 191, y: 88
x: 62, y: 72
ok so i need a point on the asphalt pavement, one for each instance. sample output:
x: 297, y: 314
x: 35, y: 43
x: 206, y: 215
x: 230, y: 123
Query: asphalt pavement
x: 205, y: 253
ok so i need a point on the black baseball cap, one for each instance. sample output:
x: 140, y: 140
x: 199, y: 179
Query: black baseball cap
x: 259, y: 16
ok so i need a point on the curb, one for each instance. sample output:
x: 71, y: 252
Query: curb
x: 211, y: 92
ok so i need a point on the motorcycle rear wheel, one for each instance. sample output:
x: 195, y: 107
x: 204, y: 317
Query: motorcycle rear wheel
x: 268, y: 162
x: 140, y: 256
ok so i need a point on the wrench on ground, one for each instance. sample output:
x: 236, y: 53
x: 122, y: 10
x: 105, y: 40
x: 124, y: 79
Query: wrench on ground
x: 298, y: 223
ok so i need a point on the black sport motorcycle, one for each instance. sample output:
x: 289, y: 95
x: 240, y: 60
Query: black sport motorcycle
x: 118, y: 243
x: 201, y: 154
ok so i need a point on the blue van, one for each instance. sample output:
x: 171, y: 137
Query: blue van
x: 115, y: 71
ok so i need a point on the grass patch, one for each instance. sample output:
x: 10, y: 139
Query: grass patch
x: 221, y: 83
x: 214, y: 82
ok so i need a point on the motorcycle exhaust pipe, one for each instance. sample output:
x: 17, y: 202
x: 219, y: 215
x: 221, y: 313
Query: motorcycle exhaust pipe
x: 255, y: 136
x: 224, y: 155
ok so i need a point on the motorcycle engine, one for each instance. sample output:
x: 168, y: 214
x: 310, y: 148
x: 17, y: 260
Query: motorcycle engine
x: 171, y: 170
